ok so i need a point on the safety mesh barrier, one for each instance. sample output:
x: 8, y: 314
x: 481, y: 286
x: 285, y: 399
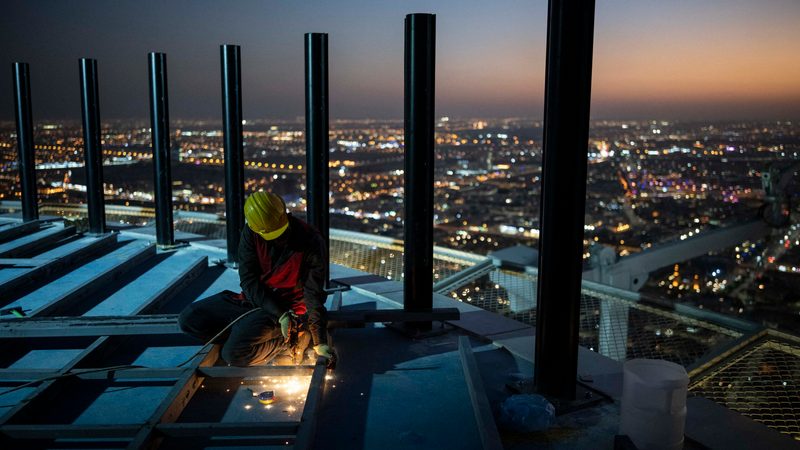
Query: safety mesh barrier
x: 761, y: 382
x: 615, y: 327
x: 208, y: 225
x: 385, y: 258
x: 212, y: 230
x: 622, y: 329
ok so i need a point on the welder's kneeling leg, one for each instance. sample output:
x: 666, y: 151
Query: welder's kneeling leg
x: 255, y: 339
x: 207, y: 317
x: 236, y: 354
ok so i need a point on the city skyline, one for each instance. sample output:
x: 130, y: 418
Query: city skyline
x: 649, y: 184
x: 718, y: 60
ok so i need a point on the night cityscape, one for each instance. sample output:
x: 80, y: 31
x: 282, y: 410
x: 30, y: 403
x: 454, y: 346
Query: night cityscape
x: 392, y: 225
x: 650, y: 182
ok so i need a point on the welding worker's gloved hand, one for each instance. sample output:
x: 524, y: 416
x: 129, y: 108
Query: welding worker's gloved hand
x: 323, y: 350
x: 284, y: 322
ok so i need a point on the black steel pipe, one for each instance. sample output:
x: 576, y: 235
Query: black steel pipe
x: 420, y: 68
x: 570, y: 28
x: 25, y: 148
x: 92, y: 149
x: 159, y: 122
x: 317, y: 148
x: 233, y: 141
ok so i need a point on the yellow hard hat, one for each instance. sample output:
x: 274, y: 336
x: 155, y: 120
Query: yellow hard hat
x: 266, y: 214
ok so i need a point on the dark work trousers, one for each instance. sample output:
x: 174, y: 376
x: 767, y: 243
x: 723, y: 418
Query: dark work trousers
x: 255, y: 339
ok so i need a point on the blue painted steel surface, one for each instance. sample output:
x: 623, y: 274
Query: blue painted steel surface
x: 33, y: 237
x: 63, y: 285
x: 131, y: 296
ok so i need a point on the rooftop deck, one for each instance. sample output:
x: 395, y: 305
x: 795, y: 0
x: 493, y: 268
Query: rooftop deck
x: 115, y: 296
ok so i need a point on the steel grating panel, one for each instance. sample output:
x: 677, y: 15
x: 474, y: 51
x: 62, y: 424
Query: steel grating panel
x: 761, y: 381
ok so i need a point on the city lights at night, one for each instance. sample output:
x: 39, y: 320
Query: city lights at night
x: 419, y: 224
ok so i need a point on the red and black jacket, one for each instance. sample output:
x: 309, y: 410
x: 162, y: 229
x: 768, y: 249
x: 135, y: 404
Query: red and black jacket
x: 292, y: 278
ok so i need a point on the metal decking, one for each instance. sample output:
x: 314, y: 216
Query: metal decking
x: 100, y: 362
x: 51, y: 391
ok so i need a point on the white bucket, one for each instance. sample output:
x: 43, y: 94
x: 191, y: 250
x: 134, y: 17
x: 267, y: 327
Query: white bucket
x: 653, y: 412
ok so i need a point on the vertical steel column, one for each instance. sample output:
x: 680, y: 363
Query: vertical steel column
x: 25, y: 148
x: 570, y: 28
x: 231, y: 62
x: 420, y: 68
x: 93, y: 151
x: 159, y: 120
x: 317, y: 148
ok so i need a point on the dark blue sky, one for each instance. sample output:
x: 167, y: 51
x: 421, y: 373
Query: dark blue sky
x: 672, y: 59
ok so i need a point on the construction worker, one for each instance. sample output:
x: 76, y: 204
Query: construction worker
x: 282, y: 270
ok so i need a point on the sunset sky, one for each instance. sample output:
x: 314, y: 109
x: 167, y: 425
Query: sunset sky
x: 675, y: 59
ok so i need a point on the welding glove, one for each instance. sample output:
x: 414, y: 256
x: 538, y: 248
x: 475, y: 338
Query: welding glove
x: 284, y: 322
x: 323, y: 350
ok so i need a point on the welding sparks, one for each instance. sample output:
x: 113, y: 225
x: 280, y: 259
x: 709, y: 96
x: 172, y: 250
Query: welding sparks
x: 294, y: 385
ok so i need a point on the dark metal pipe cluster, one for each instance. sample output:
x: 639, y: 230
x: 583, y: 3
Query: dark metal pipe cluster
x: 25, y: 148
x: 233, y: 141
x: 420, y: 59
x: 93, y: 152
x: 317, y: 146
x: 566, y: 133
x: 159, y: 120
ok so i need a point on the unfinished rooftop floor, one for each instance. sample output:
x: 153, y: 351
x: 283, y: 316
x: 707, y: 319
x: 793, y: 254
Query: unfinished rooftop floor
x: 99, y: 301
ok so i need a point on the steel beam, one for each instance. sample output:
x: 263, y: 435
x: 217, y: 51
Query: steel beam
x: 233, y: 141
x: 30, y: 327
x: 92, y: 148
x: 68, y: 431
x: 46, y: 269
x: 317, y: 145
x: 308, y: 420
x: 171, y: 407
x: 159, y: 120
x: 163, y: 373
x: 193, y: 270
x: 420, y: 61
x: 69, y: 299
x: 228, y: 429
x: 570, y: 28
x: 29, y: 246
x: 25, y: 147
x: 24, y: 409
x: 23, y: 228
x: 464, y: 276
x: 490, y: 437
